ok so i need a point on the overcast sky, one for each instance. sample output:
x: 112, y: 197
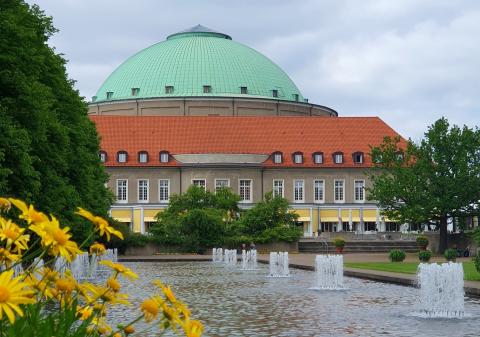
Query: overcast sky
x: 409, y: 62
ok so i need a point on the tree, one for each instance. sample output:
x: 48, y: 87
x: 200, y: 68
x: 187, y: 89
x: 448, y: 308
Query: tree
x: 433, y: 180
x: 48, y: 146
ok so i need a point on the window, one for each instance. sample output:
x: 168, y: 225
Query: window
x: 338, y: 158
x: 318, y: 190
x: 142, y: 190
x: 207, y: 89
x: 295, y: 97
x: 358, y: 157
x: 122, y: 157
x: 339, y: 187
x: 94, y: 98
x: 298, y: 158
x: 318, y: 158
x: 164, y: 157
x: 243, y: 90
x: 399, y: 156
x: 298, y: 189
x: 109, y: 94
x: 277, y: 158
x: 359, y: 190
x: 135, y: 91
x: 163, y: 190
x: 122, y: 190
x: 103, y: 156
x: 143, y: 157
x: 245, y: 190
x: 278, y: 188
x: 169, y: 89
x: 221, y: 183
x: 199, y: 182
x: 275, y: 93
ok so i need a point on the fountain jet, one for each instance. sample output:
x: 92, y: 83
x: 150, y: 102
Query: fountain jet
x: 279, y: 264
x: 328, y: 272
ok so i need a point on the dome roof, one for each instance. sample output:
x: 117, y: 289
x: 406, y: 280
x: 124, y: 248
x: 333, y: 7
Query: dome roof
x: 198, y: 62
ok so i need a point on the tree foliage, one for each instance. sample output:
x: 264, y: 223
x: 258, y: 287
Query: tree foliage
x: 432, y: 180
x: 48, y: 146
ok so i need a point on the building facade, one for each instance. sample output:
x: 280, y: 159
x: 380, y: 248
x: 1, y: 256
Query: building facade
x: 202, y: 109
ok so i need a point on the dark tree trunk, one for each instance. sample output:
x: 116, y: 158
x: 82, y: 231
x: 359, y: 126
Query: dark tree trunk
x: 443, y: 235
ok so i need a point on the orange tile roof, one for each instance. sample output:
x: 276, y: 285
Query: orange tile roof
x: 241, y: 135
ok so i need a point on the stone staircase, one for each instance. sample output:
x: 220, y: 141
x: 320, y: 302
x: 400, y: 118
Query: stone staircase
x: 358, y: 246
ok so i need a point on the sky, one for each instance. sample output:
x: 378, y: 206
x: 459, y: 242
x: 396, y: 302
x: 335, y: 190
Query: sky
x: 409, y: 62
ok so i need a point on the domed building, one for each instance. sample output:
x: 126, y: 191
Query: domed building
x: 202, y: 109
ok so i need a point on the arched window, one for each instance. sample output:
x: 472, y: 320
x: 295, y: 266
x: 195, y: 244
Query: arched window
x: 164, y: 157
x: 143, y: 157
x: 122, y: 156
x: 297, y: 157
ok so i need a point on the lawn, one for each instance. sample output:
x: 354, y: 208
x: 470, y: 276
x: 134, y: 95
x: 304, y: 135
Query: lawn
x: 470, y: 272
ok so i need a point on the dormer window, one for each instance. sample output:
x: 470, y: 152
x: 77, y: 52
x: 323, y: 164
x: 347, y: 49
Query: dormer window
x: 358, y: 157
x: 122, y: 156
x: 169, y: 89
x: 164, y: 157
x: 318, y: 158
x: 243, y: 90
x: 94, y: 98
x: 399, y: 155
x: 298, y: 157
x: 207, y: 89
x: 103, y: 156
x: 109, y: 94
x: 277, y: 158
x: 275, y: 93
x: 338, y: 157
x: 143, y: 157
x: 135, y: 91
x: 295, y: 97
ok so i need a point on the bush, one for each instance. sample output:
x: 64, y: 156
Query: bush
x: 339, y: 242
x: 450, y: 254
x: 424, y: 255
x: 476, y: 262
x: 397, y: 255
x: 422, y: 241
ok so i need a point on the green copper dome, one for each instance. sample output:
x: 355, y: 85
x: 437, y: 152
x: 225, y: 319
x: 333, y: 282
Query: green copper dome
x: 198, y: 62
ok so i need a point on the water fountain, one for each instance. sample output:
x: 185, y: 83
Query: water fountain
x: 328, y: 272
x: 279, y: 264
x: 441, y: 290
x: 86, y: 267
x: 217, y: 255
x: 230, y: 257
x: 249, y: 259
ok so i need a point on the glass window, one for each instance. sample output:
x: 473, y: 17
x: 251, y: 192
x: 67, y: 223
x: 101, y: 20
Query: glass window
x: 122, y: 157
x: 298, y: 158
x: 243, y: 90
x: 207, y: 89
x: 164, y: 157
x: 109, y: 94
x: 199, y: 183
x: 142, y: 190
x: 338, y: 158
x: 245, y: 190
x: 135, y: 91
x: 143, y: 157
x: 277, y: 158
x: 295, y: 97
x: 221, y: 183
x: 359, y: 190
x: 275, y: 93
x: 163, y: 190
x: 168, y: 89
x: 339, y: 186
x: 318, y: 158
x: 298, y: 189
x: 103, y: 156
x: 278, y: 188
x: 122, y: 190
x: 318, y: 190
x: 358, y: 158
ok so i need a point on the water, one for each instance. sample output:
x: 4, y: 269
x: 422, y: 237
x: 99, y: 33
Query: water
x: 230, y: 257
x: 233, y: 303
x: 217, y: 255
x: 86, y: 267
x: 328, y: 272
x: 441, y: 291
x: 278, y: 264
x: 249, y: 259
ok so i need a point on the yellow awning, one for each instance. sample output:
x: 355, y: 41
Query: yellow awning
x: 123, y: 219
x: 329, y: 215
x: 151, y: 212
x: 149, y: 219
x: 329, y: 219
x: 369, y: 215
x: 301, y: 212
x: 345, y: 215
x: 304, y: 219
x: 121, y: 213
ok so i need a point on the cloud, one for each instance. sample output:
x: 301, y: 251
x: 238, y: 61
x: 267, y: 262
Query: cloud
x: 408, y: 62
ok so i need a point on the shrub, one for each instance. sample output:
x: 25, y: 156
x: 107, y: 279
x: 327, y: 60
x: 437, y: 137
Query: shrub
x: 450, y: 254
x: 339, y: 242
x: 422, y: 241
x: 397, y: 255
x: 476, y: 262
x: 424, y: 255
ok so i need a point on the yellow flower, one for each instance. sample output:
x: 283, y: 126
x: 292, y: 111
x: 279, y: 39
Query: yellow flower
x: 167, y: 291
x: 105, y: 294
x: 101, y: 224
x: 65, y: 285
x: 120, y: 269
x: 150, y: 307
x: 193, y: 328
x: 129, y: 330
x: 97, y: 249
x: 28, y: 212
x: 113, y: 284
x: 12, y: 293
x: 56, y: 238
x: 7, y: 257
x: 84, y: 313
x: 13, y: 234
x: 5, y: 204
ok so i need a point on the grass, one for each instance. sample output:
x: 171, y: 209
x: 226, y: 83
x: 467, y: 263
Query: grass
x: 470, y: 273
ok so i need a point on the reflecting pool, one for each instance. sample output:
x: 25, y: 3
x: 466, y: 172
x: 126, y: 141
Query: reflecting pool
x: 232, y: 302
